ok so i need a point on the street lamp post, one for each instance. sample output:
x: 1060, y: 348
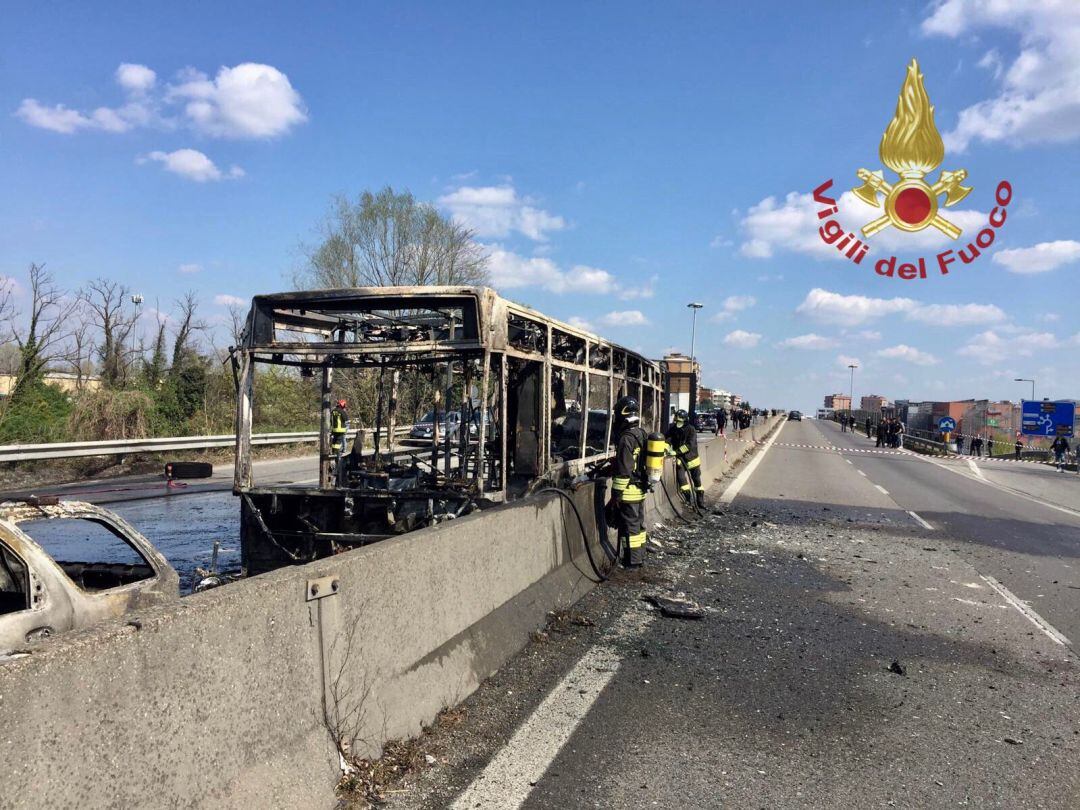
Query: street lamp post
x: 137, y: 300
x: 1025, y: 379
x: 851, y: 390
x: 693, y: 305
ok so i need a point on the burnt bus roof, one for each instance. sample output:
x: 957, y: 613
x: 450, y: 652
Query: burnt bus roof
x: 321, y: 310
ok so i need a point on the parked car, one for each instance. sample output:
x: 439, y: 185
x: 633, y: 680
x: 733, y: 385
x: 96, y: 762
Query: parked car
x: 449, y: 425
x: 68, y: 565
x: 705, y: 423
x: 794, y: 416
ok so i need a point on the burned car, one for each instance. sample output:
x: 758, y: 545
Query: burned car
x: 68, y: 565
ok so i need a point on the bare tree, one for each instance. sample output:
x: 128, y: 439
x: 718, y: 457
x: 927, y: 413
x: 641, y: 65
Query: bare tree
x: 237, y: 324
x: 41, y: 339
x: 388, y: 239
x: 80, y: 343
x: 105, y: 301
x: 186, y: 326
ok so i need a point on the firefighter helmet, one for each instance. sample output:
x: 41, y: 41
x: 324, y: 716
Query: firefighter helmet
x: 627, y: 408
x: 681, y: 415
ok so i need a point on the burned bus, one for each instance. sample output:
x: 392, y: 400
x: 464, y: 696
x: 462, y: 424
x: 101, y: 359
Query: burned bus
x: 532, y: 399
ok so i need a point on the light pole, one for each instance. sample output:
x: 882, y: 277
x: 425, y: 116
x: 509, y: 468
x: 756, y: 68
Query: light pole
x: 137, y: 300
x: 1025, y: 379
x: 693, y: 305
x: 851, y: 391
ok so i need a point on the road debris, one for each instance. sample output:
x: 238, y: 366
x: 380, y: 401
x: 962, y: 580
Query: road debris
x: 676, y: 607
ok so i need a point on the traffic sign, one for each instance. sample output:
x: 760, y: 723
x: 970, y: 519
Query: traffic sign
x: 991, y: 422
x: 1047, y: 418
x: 946, y: 424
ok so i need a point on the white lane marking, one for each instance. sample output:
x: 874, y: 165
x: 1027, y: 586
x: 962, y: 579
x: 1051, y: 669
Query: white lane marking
x: 509, y: 778
x: 848, y: 460
x: 1029, y: 612
x: 860, y: 472
x: 975, y: 469
x: 744, y: 476
x: 881, y: 489
x: 920, y: 521
x: 996, y: 485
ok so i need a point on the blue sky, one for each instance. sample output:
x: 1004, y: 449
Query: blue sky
x: 617, y: 160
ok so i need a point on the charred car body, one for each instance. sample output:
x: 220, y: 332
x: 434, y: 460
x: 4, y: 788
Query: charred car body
x: 545, y: 389
x: 69, y: 565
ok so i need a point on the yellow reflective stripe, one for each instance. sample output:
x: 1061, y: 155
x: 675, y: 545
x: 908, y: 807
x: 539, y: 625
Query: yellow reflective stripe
x: 685, y: 487
x: 633, y: 495
x: 620, y: 482
x: 693, y: 463
x: 637, y: 540
x: 684, y: 449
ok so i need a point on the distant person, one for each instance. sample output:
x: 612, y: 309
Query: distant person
x: 843, y: 423
x: 868, y: 426
x: 880, y: 434
x: 1018, y: 447
x: 959, y: 444
x: 721, y: 421
x: 1060, y: 447
x: 977, y: 445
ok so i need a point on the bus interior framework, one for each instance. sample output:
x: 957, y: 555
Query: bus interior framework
x: 533, y: 398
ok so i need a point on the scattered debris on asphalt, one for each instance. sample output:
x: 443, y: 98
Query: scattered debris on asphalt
x: 897, y: 667
x: 676, y: 607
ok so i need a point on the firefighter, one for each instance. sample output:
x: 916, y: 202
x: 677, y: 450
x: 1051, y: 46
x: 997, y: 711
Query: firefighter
x: 682, y: 442
x: 339, y: 424
x: 631, y: 481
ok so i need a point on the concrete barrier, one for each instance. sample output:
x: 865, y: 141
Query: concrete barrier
x: 225, y: 699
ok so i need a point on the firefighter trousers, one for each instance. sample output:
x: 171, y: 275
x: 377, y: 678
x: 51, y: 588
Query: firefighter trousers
x: 631, y: 527
x: 689, y: 485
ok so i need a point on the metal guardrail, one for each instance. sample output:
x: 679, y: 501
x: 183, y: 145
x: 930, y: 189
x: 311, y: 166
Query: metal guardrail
x: 919, y: 444
x: 120, y: 447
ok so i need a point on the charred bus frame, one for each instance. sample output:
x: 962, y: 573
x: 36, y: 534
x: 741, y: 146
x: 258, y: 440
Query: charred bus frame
x: 535, y: 397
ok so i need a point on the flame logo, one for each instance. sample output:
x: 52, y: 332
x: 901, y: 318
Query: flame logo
x: 911, y: 145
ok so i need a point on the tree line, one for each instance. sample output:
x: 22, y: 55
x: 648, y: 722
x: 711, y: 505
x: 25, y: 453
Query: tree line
x: 163, y: 373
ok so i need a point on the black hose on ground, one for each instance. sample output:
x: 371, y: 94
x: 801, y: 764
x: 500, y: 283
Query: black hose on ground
x: 600, y: 575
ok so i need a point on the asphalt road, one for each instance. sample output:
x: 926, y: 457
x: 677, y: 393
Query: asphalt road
x: 1018, y: 522
x: 851, y: 654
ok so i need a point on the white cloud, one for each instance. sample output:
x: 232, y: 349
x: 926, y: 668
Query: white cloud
x: 498, y: 211
x: 792, y: 225
x: 135, y: 78
x: 742, y: 339
x: 247, y: 101
x: 631, y: 317
x: 1038, y: 100
x: 990, y: 348
x: 844, y: 361
x: 225, y: 300
x: 59, y: 118
x: 867, y: 334
x: 511, y: 270
x: 850, y: 310
x: 580, y: 323
x: 957, y: 314
x: 732, y: 305
x: 908, y: 354
x: 1048, y: 317
x: 737, y: 303
x: 853, y: 310
x: 191, y: 164
x: 1039, y: 258
x: 809, y: 341
x: 190, y: 268
x: 646, y: 290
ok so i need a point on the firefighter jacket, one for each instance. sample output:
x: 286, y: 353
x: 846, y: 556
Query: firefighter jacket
x: 683, y: 443
x: 631, y: 481
x: 339, y: 422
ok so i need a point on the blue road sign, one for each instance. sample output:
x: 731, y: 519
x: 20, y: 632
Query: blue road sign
x: 946, y: 424
x: 1047, y: 418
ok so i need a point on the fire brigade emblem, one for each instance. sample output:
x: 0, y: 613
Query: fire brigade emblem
x: 912, y: 147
